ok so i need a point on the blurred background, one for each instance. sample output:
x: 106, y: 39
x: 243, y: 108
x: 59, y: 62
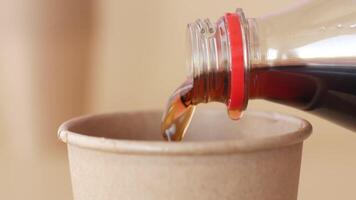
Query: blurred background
x: 64, y: 58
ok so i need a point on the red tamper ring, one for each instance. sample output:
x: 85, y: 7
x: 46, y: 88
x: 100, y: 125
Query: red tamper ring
x: 237, y: 86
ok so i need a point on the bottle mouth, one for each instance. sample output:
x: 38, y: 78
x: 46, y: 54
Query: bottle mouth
x: 208, y: 60
x: 215, y: 49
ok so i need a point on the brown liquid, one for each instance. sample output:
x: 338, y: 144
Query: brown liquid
x: 181, y: 105
x: 328, y: 91
x: 178, y: 113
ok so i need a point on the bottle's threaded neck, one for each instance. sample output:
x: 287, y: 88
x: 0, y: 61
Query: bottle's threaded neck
x: 209, y: 61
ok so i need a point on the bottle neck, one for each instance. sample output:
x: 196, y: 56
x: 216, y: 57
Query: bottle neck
x: 209, y: 61
x: 218, y: 62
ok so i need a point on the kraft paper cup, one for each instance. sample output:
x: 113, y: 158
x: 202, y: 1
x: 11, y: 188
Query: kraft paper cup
x: 123, y: 156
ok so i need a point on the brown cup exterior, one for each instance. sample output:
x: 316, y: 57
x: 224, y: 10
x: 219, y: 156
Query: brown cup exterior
x: 122, y: 156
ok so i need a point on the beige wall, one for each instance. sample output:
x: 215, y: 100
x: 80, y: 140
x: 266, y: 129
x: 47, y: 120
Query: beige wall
x: 59, y: 59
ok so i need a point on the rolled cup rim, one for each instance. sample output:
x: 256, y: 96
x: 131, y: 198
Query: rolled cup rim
x: 126, y: 146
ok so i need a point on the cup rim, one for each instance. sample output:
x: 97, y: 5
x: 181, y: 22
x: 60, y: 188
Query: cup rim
x: 125, y: 146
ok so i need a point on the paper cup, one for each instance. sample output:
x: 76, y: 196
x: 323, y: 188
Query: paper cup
x: 123, y: 156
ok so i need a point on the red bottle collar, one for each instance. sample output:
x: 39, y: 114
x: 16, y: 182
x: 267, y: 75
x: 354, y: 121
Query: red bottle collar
x: 237, y: 85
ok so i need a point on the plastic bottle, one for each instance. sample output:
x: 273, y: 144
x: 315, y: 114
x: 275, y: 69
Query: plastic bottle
x: 304, y: 57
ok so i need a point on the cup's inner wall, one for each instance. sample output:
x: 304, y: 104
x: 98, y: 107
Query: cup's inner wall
x: 207, y: 125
